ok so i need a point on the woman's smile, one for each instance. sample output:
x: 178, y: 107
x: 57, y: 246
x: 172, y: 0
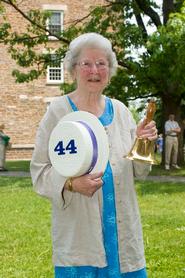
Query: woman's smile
x: 94, y: 79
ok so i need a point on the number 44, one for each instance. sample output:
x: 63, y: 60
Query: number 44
x: 62, y: 150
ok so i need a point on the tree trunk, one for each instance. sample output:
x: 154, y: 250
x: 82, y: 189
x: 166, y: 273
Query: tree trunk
x: 168, y: 7
x: 171, y: 105
x: 180, y: 160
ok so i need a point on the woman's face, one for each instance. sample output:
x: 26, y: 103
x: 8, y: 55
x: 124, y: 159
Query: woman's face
x: 92, y: 70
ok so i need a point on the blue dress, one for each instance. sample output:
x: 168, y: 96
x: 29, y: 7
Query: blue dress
x: 112, y: 270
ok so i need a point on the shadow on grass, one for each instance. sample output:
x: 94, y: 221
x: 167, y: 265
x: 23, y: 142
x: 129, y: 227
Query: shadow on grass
x: 15, y: 182
x: 158, y: 170
x: 152, y: 187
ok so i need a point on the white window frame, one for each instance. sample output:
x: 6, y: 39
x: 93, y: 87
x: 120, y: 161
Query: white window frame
x: 49, y: 68
x: 55, y: 8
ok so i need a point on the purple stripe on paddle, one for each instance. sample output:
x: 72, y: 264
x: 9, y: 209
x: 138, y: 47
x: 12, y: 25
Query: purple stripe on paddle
x: 95, y: 146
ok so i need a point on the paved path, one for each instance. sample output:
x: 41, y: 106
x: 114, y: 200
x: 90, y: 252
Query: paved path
x: 14, y: 174
x: 166, y: 178
x: 152, y: 178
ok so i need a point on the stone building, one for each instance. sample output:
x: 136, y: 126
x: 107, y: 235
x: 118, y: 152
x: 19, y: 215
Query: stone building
x: 23, y: 105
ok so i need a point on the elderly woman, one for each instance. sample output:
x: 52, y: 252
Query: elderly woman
x: 102, y: 239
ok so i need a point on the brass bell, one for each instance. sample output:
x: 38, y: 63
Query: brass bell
x: 143, y: 149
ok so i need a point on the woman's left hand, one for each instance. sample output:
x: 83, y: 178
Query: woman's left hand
x: 148, y: 131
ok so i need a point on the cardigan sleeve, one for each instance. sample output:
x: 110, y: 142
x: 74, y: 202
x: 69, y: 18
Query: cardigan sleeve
x: 47, y: 182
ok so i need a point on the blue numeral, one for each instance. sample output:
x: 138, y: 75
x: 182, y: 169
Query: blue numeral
x: 70, y: 147
x: 59, y: 148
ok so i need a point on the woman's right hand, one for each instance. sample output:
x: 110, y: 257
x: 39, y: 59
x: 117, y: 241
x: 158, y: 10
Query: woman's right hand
x: 87, y: 184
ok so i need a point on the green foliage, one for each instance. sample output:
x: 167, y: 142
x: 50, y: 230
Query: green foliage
x: 67, y: 88
x: 158, y: 69
x: 23, y: 46
x: 4, y: 31
x: 165, y: 58
x: 25, y: 77
x: 135, y: 114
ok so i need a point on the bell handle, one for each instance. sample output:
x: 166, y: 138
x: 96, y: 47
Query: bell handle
x: 151, y: 109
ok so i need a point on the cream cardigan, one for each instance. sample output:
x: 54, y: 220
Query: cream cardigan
x: 77, y: 226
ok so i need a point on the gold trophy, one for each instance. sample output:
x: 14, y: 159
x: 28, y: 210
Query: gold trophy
x: 143, y: 149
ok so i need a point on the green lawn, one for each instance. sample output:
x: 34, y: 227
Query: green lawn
x: 25, y: 244
x: 163, y: 212
x: 19, y: 165
x: 156, y: 169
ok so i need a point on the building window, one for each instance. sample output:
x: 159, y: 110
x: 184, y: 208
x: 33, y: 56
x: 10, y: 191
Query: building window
x: 55, y: 73
x: 55, y: 22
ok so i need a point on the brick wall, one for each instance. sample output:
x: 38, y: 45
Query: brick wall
x: 23, y: 105
x: 19, y: 153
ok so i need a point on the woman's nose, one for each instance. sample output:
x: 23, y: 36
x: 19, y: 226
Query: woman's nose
x: 93, y: 68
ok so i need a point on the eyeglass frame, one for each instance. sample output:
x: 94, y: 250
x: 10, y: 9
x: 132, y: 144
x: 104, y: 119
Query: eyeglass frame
x: 99, y: 66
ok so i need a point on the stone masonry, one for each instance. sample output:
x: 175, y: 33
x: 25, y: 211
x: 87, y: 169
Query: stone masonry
x: 23, y: 105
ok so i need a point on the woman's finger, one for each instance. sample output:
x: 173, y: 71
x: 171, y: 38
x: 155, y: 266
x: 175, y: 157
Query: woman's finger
x: 95, y: 175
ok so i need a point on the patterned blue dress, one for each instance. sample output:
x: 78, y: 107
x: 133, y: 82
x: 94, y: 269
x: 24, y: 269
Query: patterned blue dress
x: 112, y: 270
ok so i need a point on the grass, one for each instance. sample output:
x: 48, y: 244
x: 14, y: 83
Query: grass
x: 157, y: 170
x: 25, y: 244
x: 19, y: 165
x: 163, y: 210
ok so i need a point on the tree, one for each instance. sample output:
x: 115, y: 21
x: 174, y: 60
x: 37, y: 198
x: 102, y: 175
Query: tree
x: 157, y: 72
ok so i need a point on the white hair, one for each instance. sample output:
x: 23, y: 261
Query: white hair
x: 90, y: 40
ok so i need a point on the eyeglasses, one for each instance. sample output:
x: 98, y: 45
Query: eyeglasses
x: 88, y: 65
